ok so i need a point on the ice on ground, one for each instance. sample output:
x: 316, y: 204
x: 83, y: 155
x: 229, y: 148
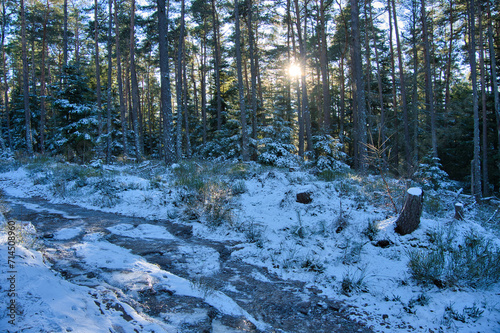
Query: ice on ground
x: 141, y: 231
x: 67, y: 233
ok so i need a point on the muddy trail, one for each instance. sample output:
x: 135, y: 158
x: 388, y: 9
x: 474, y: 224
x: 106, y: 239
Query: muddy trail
x: 283, y: 306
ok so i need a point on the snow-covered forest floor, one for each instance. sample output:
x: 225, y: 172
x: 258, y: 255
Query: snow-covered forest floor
x: 443, y: 277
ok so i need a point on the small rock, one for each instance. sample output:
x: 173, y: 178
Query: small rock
x: 48, y: 236
x: 304, y: 197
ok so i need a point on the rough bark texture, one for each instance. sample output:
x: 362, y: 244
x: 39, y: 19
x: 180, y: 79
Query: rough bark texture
x: 165, y: 93
x: 409, y: 218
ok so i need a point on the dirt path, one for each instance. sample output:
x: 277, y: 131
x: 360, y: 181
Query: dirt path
x: 282, y: 306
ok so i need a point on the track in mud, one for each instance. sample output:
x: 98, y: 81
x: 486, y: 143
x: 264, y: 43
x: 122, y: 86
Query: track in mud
x: 280, y: 306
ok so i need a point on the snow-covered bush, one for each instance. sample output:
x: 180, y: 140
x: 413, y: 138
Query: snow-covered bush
x: 328, y: 154
x: 430, y: 173
x: 275, y: 148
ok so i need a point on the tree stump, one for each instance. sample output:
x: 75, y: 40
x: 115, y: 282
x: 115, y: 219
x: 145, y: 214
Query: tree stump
x: 409, y: 218
x: 459, y: 211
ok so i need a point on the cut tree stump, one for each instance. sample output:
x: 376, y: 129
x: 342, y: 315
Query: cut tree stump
x: 459, y: 211
x: 409, y: 218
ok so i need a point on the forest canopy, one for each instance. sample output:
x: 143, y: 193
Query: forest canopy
x: 393, y: 85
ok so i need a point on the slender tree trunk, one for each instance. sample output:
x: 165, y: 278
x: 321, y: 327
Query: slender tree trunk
x: 300, y: 118
x: 203, y: 83
x: 324, y: 67
x: 77, y: 35
x: 5, y: 82
x: 110, y: 70
x: 217, y: 65
x: 178, y: 85
x: 134, y: 86
x: 472, y: 59
x: 244, y: 138
x: 402, y: 83
x: 42, y: 81
x: 483, y: 105
x: 358, y: 88
x: 27, y: 111
x: 165, y: 93
x: 123, y: 120
x: 303, y: 57
x: 253, y: 69
x: 393, y: 85
x: 494, y: 76
x: 186, y: 112
x: 429, y: 92
x: 65, y: 34
x: 97, y: 73
x: 449, y: 60
x: 415, y: 107
x: 380, y: 90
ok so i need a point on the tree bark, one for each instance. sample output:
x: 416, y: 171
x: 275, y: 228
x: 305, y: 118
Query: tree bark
x: 119, y: 78
x: 134, y: 87
x: 325, y: 85
x: 165, y: 92
x: 178, y: 86
x: 483, y: 106
x: 97, y: 72
x: 108, y: 92
x: 402, y: 83
x: 409, y: 218
x: 494, y: 77
x: 358, y: 89
x: 42, y: 82
x: 475, y: 108
x: 303, y: 57
x: 253, y: 68
x: 429, y: 93
x: 217, y: 65
x: 26, y: 95
x: 244, y: 138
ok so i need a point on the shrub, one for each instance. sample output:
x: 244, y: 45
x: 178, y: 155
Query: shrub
x: 108, y: 193
x: 371, y: 230
x: 353, y: 282
x: 475, y: 262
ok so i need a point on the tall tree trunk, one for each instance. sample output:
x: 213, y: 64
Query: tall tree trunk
x: 186, y: 112
x: 402, y: 83
x: 65, y: 34
x: 119, y: 78
x: 393, y: 85
x: 5, y: 81
x: 165, y: 93
x: 110, y: 70
x: 134, y: 86
x: 358, y: 88
x: 26, y: 95
x: 203, y: 82
x: 429, y: 93
x: 42, y: 81
x: 217, y: 65
x: 449, y: 60
x: 325, y: 84
x: 415, y: 107
x: 483, y: 105
x: 178, y: 85
x: 494, y: 76
x: 476, y: 169
x: 381, y: 126
x: 303, y: 57
x: 97, y: 73
x: 300, y: 118
x: 77, y: 35
x: 253, y: 69
x: 244, y: 138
